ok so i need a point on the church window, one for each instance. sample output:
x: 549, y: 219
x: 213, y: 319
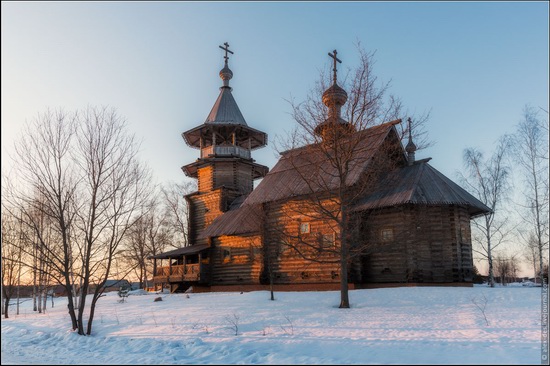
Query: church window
x: 386, y: 234
x: 328, y: 240
x: 226, y: 255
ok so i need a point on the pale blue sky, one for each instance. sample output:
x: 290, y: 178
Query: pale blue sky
x: 473, y: 64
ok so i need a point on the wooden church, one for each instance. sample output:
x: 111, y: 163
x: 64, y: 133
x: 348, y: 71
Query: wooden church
x: 398, y: 220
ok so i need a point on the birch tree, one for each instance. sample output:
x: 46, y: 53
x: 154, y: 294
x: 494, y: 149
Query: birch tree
x: 531, y: 253
x: 489, y: 181
x: 530, y: 152
x: 11, y: 260
x: 46, y: 170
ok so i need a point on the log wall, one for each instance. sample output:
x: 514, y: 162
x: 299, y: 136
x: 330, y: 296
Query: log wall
x: 204, y: 208
x: 231, y: 174
x: 427, y: 244
x: 287, y: 246
x: 236, y: 260
x: 430, y: 244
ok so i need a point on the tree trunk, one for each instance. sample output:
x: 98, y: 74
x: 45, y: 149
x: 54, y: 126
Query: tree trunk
x: 344, y: 257
x: 271, y: 285
x: 34, y: 308
x: 45, y: 299
x: 92, y: 312
x: 344, y: 289
x: 6, y: 306
x: 80, y: 316
x: 18, y: 292
x: 19, y: 277
x: 39, y: 300
x: 69, y: 288
x: 142, y: 277
x: 489, y: 254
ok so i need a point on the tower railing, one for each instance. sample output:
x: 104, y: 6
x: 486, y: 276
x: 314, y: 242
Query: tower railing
x: 225, y: 150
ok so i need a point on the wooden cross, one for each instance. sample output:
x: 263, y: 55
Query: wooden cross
x: 226, y: 49
x: 335, y: 59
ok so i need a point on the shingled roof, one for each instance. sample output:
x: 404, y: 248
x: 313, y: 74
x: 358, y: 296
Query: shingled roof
x: 192, y: 249
x: 306, y: 170
x: 226, y: 114
x: 421, y: 184
x: 297, y: 170
x: 242, y: 220
x: 292, y: 176
x: 225, y: 109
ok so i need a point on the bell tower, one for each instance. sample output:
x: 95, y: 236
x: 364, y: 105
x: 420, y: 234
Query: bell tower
x: 225, y: 169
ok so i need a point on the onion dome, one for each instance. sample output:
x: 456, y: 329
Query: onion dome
x: 226, y: 74
x: 335, y: 95
x: 334, y: 98
x: 411, y: 147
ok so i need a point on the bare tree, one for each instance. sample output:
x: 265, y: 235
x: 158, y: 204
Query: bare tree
x: 506, y: 268
x: 135, y: 250
x: 481, y: 305
x: 233, y: 322
x: 46, y: 171
x: 531, y: 253
x: 488, y: 180
x: 270, y: 253
x: 114, y: 186
x: 42, y: 242
x: 78, y: 173
x: 328, y: 152
x: 149, y: 235
x: 178, y: 210
x: 34, y: 257
x: 544, y: 273
x: 11, y: 260
x: 530, y: 143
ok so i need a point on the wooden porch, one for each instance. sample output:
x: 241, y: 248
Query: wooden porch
x: 178, y: 273
x: 186, y: 266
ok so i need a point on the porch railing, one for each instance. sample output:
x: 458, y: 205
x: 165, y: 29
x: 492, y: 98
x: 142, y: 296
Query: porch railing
x: 185, y: 272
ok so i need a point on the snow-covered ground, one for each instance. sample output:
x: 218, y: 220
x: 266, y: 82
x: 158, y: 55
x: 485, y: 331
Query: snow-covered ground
x: 407, y: 325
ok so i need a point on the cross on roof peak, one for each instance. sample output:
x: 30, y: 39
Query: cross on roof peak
x: 333, y: 55
x: 226, y: 49
x: 409, y: 122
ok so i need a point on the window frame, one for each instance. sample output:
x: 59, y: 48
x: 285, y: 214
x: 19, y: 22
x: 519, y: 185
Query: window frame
x: 386, y: 234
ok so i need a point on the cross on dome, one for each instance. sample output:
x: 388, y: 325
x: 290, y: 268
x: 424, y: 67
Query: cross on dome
x: 226, y: 74
x: 226, y: 49
x: 335, y: 59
